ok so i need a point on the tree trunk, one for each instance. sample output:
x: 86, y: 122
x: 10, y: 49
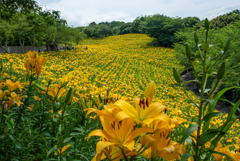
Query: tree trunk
x: 5, y: 47
x: 32, y: 42
x: 21, y: 44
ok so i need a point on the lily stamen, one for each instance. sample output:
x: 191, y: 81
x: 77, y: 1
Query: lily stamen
x: 113, y: 125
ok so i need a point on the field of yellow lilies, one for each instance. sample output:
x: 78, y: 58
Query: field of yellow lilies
x: 54, y: 105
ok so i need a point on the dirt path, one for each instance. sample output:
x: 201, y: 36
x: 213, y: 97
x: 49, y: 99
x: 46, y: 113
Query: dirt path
x: 219, y: 106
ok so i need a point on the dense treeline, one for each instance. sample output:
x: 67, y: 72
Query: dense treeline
x: 161, y: 27
x: 26, y: 23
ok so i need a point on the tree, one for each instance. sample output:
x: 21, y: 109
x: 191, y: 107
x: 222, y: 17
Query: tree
x: 22, y: 29
x: 38, y: 29
x: 103, y: 31
x: 135, y: 26
x: 87, y: 31
x: 224, y: 20
x: 8, y: 8
x: 125, y: 28
x: 92, y: 25
x: 6, y: 32
x: 163, y: 28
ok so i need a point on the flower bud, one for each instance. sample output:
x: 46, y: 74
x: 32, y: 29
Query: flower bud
x: 221, y: 71
x: 176, y: 76
x: 188, y: 52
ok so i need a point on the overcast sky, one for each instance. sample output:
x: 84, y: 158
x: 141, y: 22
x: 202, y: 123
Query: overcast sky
x: 82, y: 12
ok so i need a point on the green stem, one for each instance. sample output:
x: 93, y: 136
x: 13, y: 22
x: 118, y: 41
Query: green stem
x: 124, y: 154
x: 204, y: 79
x: 63, y: 111
x: 2, y: 113
x: 5, y: 148
x: 191, y: 99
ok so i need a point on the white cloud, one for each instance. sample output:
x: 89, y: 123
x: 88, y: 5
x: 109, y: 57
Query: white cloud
x: 82, y: 12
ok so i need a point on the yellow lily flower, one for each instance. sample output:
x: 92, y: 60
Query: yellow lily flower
x: 38, y: 69
x: 164, y: 122
x: 41, y: 60
x: 29, y: 64
x: 148, y: 93
x: 117, y: 133
x: 236, y: 155
x: 13, y: 85
x: 2, y: 93
x: 32, y: 54
x: 218, y: 148
x: 109, y: 109
x: 160, y: 146
x: 56, y: 92
x: 143, y: 112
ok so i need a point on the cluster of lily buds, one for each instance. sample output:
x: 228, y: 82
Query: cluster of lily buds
x: 33, y: 61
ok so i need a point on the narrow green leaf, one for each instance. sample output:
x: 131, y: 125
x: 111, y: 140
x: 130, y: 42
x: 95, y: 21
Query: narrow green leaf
x: 75, y: 133
x: 69, y: 96
x: 185, y: 157
x: 100, y: 98
x: 6, y: 129
x: 78, y: 129
x: 64, y: 84
x: 221, y: 71
x: 227, y: 45
x: 210, y: 115
x: 70, y: 116
x: 209, y: 101
x: 10, y: 125
x: 233, y: 110
x: 176, y: 76
x: 53, y: 149
x: 196, y: 37
x: 216, y: 140
x: 204, y: 138
x: 188, y: 132
x: 100, y: 107
x: 219, y: 94
x: 188, y: 109
x: 216, y: 152
x: 39, y: 87
x: 196, y: 81
x: 225, y: 100
x: 67, y: 139
x: 213, y: 130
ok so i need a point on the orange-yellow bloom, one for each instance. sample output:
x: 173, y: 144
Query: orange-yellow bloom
x: 57, y: 92
x: 13, y: 85
x: 142, y: 112
x: 160, y: 146
x: 117, y: 133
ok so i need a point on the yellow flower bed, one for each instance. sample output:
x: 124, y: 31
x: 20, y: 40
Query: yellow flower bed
x: 124, y: 64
